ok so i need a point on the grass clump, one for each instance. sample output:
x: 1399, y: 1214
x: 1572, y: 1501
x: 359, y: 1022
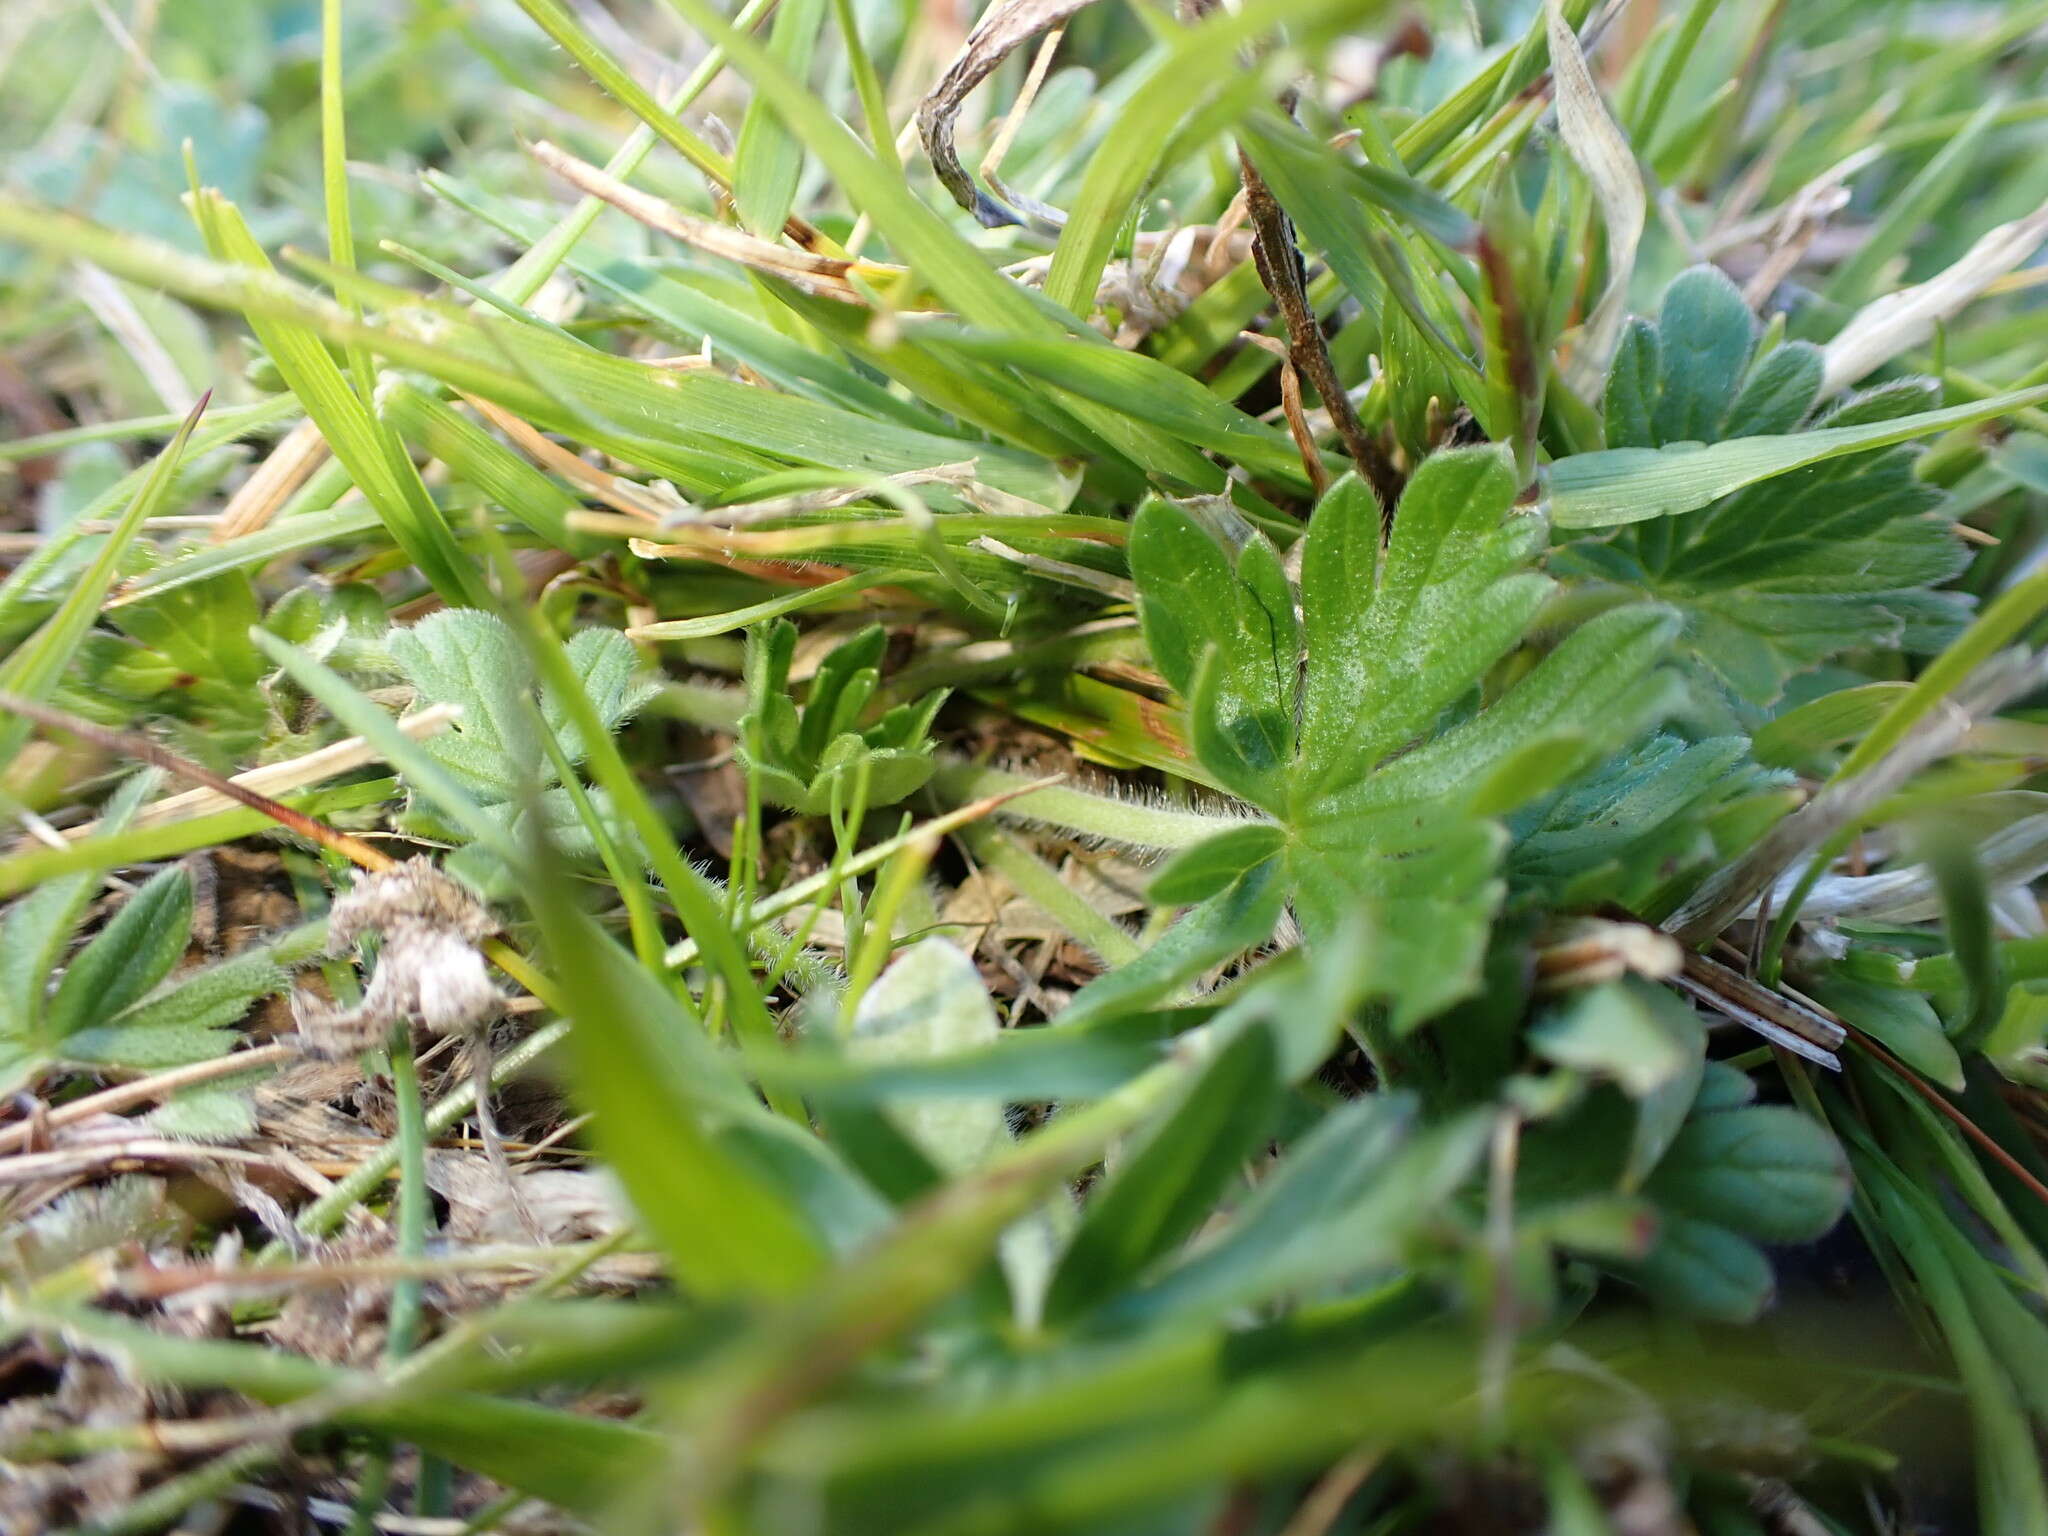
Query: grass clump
x: 1263, y: 769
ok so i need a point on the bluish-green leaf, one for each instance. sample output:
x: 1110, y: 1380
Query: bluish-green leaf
x: 1767, y: 1171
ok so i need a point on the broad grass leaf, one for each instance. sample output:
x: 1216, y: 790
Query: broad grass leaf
x: 1903, y: 1022
x: 573, y: 1459
x: 504, y: 478
x: 635, y: 1066
x: 1203, y: 68
x: 1138, y: 386
x: 1166, y: 1186
x: 2010, y: 1485
x: 366, y: 446
x: 1018, y: 1065
x: 1628, y: 485
x: 1802, y: 734
x: 1260, y: 1253
x: 32, y: 667
x: 1604, y: 153
x: 768, y: 158
x: 1235, y: 919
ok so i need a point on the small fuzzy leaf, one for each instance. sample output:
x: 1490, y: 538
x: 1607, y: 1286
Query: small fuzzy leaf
x: 127, y: 957
x: 930, y: 1003
x: 609, y: 668
x: 1189, y: 598
x: 209, y: 1114
x: 1705, y: 334
x: 208, y: 997
x: 32, y: 938
x: 1632, y: 388
x: 470, y: 659
x: 1723, y: 1087
x: 202, y: 628
x: 146, y: 1049
x: 1387, y: 656
x: 1779, y: 392
x: 1818, y: 541
x: 817, y: 758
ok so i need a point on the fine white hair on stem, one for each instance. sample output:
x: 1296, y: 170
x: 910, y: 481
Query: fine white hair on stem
x: 1141, y: 820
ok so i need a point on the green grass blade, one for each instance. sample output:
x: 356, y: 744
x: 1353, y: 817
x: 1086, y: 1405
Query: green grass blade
x: 375, y: 460
x: 725, y: 1231
x: 1627, y: 485
x: 554, y: 18
x: 769, y: 159
x: 35, y: 666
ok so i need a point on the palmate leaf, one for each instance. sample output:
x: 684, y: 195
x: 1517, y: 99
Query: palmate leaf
x: 468, y: 658
x: 1640, y: 825
x: 1387, y: 790
x: 1798, y: 568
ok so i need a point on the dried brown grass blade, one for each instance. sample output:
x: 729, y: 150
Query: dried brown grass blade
x: 290, y: 464
x: 143, y: 749
x: 825, y: 276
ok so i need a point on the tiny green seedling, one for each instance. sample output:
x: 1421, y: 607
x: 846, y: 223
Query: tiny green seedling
x: 817, y: 756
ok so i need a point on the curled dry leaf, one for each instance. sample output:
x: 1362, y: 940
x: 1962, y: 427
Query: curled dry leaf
x: 1884, y: 328
x: 1005, y: 28
x: 1603, y: 153
x: 1589, y: 950
x: 568, y: 1204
